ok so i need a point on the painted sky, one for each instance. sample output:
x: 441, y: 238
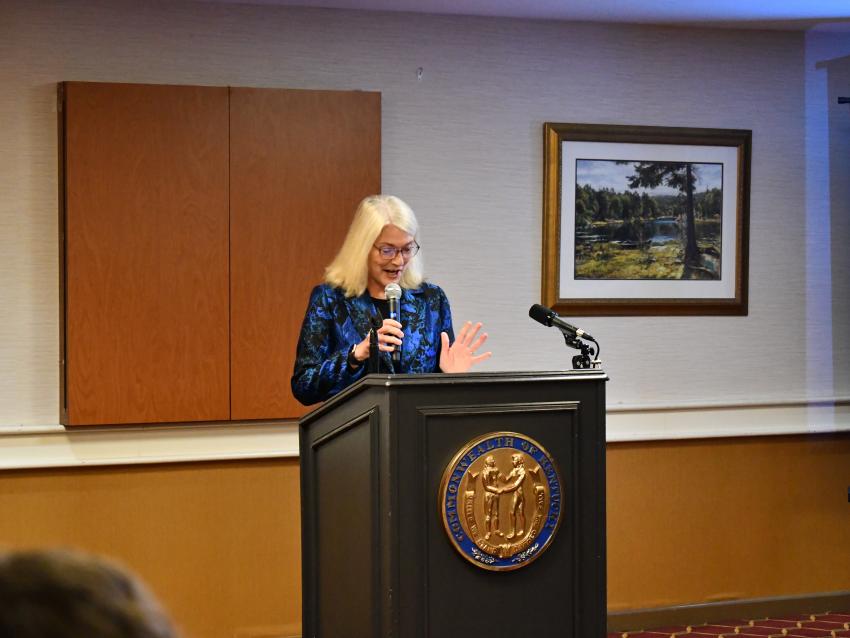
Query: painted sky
x: 609, y: 174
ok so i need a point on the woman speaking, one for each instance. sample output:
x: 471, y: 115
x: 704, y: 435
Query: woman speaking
x: 381, y: 248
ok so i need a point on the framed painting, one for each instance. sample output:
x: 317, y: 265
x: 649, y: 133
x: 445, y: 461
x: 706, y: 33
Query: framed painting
x: 645, y: 220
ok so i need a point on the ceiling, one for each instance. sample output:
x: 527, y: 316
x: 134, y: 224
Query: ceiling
x: 781, y: 14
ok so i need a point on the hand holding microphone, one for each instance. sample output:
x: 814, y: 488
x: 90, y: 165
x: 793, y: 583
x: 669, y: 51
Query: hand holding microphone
x: 388, y: 332
x: 389, y: 336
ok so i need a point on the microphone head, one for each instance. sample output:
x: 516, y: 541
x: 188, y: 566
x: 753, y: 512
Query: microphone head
x: 393, y: 291
x: 541, y: 314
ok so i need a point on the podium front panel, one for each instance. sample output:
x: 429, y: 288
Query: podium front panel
x: 463, y: 598
x: 378, y: 561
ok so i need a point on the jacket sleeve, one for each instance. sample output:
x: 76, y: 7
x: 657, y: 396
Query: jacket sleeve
x: 321, y: 370
x: 445, y: 323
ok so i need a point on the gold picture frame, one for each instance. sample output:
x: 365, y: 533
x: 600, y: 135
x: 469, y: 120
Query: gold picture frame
x: 607, y: 190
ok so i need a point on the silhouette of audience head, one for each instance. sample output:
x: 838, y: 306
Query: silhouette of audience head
x: 64, y: 594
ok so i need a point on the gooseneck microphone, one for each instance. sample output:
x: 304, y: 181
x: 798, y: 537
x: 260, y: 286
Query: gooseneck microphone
x: 393, y: 294
x: 547, y: 317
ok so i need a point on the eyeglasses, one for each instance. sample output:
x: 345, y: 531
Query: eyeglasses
x: 388, y: 253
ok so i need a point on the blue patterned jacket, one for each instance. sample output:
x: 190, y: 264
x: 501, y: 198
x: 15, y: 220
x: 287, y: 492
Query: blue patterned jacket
x: 333, y: 323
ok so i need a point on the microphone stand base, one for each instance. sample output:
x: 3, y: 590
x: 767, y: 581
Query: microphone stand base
x: 581, y: 361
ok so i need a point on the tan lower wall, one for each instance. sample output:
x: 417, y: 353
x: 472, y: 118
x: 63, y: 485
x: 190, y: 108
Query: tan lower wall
x: 219, y: 543
x: 710, y: 520
x: 688, y: 522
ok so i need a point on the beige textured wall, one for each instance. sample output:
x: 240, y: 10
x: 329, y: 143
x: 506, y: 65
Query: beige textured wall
x: 464, y: 146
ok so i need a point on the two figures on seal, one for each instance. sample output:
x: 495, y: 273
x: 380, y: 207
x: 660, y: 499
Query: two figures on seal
x: 495, y: 485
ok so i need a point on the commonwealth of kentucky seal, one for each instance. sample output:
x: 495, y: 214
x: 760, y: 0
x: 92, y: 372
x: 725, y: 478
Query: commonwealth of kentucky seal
x: 501, y: 500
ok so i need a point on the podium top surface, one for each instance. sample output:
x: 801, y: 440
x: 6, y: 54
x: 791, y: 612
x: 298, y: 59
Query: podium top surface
x: 437, y: 379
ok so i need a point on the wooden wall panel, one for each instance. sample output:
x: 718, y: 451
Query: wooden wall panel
x: 300, y: 163
x: 218, y: 543
x: 146, y: 271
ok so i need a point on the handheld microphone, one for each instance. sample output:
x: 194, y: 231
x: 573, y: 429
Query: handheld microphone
x: 393, y: 294
x: 547, y: 317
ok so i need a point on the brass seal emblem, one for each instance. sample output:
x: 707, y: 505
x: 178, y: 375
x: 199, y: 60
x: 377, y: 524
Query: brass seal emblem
x: 501, y: 500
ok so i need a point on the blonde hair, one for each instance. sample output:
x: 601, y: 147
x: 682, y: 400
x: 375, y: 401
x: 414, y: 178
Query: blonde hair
x: 349, y: 270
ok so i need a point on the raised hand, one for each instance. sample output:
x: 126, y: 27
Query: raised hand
x: 460, y: 356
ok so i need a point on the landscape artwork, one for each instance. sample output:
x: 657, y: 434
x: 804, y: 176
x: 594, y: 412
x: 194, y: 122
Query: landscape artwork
x: 643, y: 219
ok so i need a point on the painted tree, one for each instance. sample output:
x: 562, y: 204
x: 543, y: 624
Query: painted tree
x: 615, y: 208
x: 603, y: 199
x: 583, y: 216
x: 682, y: 177
x: 710, y: 203
x: 648, y: 206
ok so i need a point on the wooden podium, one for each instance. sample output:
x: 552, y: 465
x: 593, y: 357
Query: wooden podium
x: 378, y: 559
